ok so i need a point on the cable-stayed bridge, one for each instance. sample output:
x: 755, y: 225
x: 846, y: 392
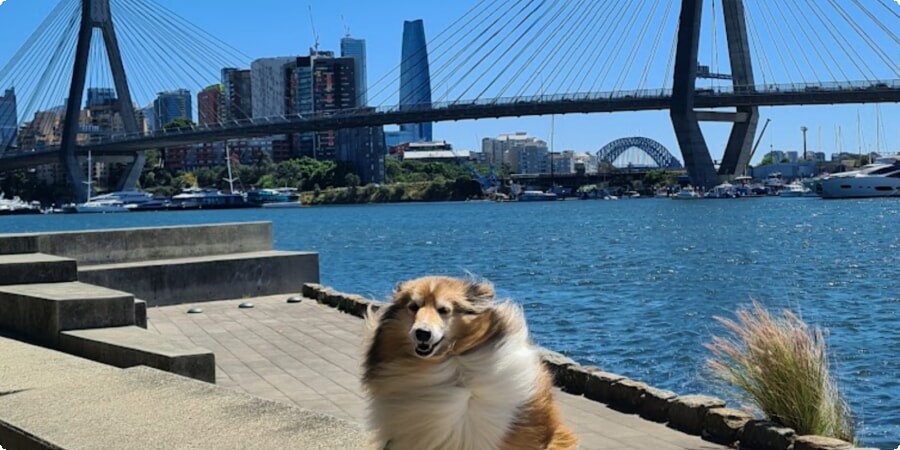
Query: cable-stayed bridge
x: 500, y: 59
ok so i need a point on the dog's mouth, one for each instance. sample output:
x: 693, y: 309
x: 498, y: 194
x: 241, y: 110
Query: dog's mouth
x: 425, y: 349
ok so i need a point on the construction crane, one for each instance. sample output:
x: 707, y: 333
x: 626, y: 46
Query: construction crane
x: 346, y: 28
x: 312, y: 25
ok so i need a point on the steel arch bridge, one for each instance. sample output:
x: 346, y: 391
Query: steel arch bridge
x: 660, y: 154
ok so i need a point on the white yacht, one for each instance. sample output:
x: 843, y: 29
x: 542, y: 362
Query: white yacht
x: 881, y: 179
x: 796, y: 189
x: 114, y: 202
x: 687, y: 193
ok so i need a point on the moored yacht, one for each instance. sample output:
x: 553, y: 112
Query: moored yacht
x: 796, y: 189
x: 196, y: 198
x: 275, y: 198
x: 881, y: 179
x: 686, y: 193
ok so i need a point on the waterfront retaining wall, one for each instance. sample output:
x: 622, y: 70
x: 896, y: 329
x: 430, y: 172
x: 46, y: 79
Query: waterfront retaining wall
x: 699, y: 415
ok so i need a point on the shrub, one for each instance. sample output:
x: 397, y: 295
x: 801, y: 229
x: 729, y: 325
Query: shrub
x: 781, y: 366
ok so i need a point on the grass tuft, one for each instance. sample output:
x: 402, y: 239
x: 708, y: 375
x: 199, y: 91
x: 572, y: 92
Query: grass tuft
x: 780, y: 365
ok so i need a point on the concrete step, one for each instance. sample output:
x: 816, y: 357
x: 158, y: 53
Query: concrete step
x: 207, y: 278
x: 131, y: 346
x: 41, y: 311
x: 54, y: 400
x: 36, y: 268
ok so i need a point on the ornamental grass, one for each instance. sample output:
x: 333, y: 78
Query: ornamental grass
x: 780, y: 365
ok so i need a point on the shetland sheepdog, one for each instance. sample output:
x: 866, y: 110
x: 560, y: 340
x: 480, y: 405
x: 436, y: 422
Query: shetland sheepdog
x: 448, y: 368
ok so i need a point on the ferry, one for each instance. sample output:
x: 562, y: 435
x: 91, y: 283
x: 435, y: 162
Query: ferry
x: 275, y: 198
x: 537, y: 196
x: 196, y: 198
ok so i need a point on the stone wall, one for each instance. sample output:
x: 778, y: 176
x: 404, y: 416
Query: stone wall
x: 699, y: 415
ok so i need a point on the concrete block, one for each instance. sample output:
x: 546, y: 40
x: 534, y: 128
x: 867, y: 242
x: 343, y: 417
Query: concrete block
x: 688, y: 413
x: 724, y: 425
x: 208, y: 278
x: 133, y: 346
x: 598, y: 385
x: 42, y: 311
x: 625, y: 395
x: 11, y: 244
x: 142, y: 244
x: 77, y: 404
x: 140, y: 313
x: 765, y: 435
x: 31, y: 268
x: 820, y: 443
x: 654, y: 404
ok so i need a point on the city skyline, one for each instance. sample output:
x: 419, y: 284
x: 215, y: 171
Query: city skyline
x: 288, y: 32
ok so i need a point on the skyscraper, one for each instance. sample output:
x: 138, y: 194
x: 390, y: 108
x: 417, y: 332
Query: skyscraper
x: 209, y: 102
x: 8, y: 120
x: 415, y: 77
x: 171, y: 105
x: 356, y: 49
x: 268, y: 87
x: 237, y: 97
x: 100, y: 96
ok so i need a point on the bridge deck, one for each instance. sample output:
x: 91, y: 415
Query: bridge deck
x: 308, y: 354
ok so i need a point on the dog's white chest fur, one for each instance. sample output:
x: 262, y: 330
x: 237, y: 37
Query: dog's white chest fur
x: 465, y: 403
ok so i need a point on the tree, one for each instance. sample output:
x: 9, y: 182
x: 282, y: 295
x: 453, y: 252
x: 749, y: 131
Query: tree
x: 352, y: 180
x: 180, y: 122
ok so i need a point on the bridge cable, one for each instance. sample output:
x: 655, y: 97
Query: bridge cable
x: 835, y: 36
x: 430, y: 44
x: 758, y: 47
x: 457, y: 45
x: 810, y: 42
x: 617, y: 49
x: 635, y: 49
x: 578, y: 31
x: 600, y: 48
x: 456, y: 58
x: 803, y: 54
x: 597, y: 10
x: 877, y: 21
x: 889, y: 8
x: 477, y: 64
x: 29, y: 60
x: 865, y: 36
x: 656, y: 41
x: 715, y: 41
x: 670, y: 67
x: 54, y: 59
x: 772, y: 21
x: 523, y: 69
x: 52, y: 20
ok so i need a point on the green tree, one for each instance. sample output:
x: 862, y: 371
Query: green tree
x: 179, y: 123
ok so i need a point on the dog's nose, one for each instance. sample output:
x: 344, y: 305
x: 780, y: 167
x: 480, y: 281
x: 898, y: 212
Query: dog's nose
x: 423, y: 335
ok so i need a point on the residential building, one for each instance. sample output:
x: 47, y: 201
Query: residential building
x: 508, y: 150
x: 171, y: 105
x: 356, y: 49
x: 364, y: 149
x: 100, y: 96
x: 209, y: 103
x: 415, y: 78
x: 268, y: 86
x: 9, y: 118
x: 792, y: 156
x: 237, y: 95
x: 564, y: 162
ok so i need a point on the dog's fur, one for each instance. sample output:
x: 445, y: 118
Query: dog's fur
x: 477, y: 382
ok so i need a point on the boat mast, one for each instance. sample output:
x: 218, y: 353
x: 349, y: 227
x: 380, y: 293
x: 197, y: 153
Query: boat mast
x: 230, y: 179
x: 90, y: 176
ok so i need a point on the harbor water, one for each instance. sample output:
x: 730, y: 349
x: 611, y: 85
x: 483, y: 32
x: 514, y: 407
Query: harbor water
x: 631, y: 285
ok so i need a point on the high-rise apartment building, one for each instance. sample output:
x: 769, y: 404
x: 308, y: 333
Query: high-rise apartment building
x: 268, y: 86
x: 520, y: 153
x: 415, y: 77
x: 171, y: 105
x: 9, y: 118
x: 100, y: 96
x: 209, y: 104
x: 237, y: 95
x: 356, y: 49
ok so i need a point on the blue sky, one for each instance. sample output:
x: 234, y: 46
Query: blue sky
x: 280, y: 27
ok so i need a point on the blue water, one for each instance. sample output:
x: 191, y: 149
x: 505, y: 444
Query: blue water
x: 630, y: 286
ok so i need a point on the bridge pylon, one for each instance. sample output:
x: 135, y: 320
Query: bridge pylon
x: 686, y: 120
x: 96, y: 14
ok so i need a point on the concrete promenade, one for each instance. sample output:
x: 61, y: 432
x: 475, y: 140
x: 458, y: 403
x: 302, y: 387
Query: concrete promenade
x: 307, y: 354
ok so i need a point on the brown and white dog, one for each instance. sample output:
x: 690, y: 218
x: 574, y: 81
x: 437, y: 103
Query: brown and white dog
x: 448, y: 368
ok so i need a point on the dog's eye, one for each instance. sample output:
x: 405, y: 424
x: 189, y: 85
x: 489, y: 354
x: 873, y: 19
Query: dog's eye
x: 443, y: 310
x: 413, y: 306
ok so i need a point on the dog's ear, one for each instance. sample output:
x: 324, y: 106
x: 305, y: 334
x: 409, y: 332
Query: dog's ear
x: 480, y: 293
